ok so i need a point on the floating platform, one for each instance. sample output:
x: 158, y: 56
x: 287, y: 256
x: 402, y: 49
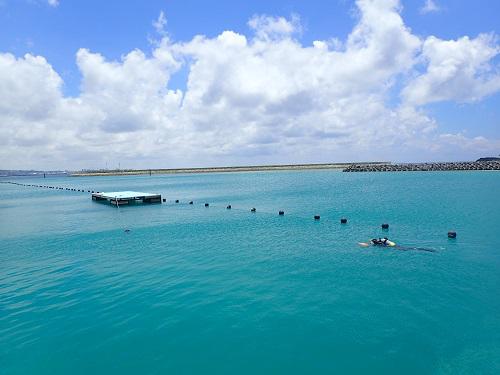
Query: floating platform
x: 121, y: 198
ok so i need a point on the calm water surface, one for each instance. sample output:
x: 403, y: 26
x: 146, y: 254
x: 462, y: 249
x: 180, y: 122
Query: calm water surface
x: 208, y: 290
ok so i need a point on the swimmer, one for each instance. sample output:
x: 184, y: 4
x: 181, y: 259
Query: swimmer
x: 383, y: 242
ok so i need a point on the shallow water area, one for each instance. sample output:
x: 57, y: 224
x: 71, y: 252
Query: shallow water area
x: 195, y: 289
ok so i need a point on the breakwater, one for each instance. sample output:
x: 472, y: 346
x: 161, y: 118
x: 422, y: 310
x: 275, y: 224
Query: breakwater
x: 253, y: 168
x: 418, y: 167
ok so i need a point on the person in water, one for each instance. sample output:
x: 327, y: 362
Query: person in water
x: 385, y: 242
x: 381, y: 242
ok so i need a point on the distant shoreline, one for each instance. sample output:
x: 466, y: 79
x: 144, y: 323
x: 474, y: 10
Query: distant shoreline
x: 254, y: 168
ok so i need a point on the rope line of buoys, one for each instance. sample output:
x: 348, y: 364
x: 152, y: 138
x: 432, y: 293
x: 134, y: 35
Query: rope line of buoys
x: 384, y: 226
x: 50, y: 187
x: 343, y: 220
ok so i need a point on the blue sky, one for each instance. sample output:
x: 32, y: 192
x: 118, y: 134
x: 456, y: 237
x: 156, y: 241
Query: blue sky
x: 114, y: 28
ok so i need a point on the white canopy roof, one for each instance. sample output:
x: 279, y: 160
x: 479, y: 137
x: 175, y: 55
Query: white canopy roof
x: 127, y: 194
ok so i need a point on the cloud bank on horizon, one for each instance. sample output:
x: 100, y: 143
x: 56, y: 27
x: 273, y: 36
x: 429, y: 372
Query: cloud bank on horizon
x: 250, y: 100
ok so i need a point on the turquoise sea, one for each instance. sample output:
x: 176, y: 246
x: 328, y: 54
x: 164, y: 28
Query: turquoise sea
x: 203, y: 290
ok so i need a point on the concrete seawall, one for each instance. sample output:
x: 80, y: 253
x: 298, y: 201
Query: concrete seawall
x: 257, y: 168
x: 417, y: 167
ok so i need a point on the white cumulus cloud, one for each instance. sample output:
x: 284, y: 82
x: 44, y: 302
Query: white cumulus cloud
x: 263, y: 98
x: 459, y: 70
x: 30, y: 88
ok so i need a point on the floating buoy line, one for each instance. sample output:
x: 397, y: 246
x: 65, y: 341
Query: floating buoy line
x: 51, y: 187
x: 343, y: 220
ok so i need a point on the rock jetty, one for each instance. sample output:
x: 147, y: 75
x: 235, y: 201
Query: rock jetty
x: 417, y: 167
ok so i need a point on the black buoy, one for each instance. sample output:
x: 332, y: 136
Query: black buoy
x: 228, y: 207
x: 317, y: 217
x: 452, y: 234
x: 92, y: 191
x: 385, y: 226
x: 164, y: 200
x: 206, y: 204
x: 190, y: 202
x: 281, y: 213
x: 176, y: 201
x: 127, y: 230
x: 343, y: 221
x: 253, y: 210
